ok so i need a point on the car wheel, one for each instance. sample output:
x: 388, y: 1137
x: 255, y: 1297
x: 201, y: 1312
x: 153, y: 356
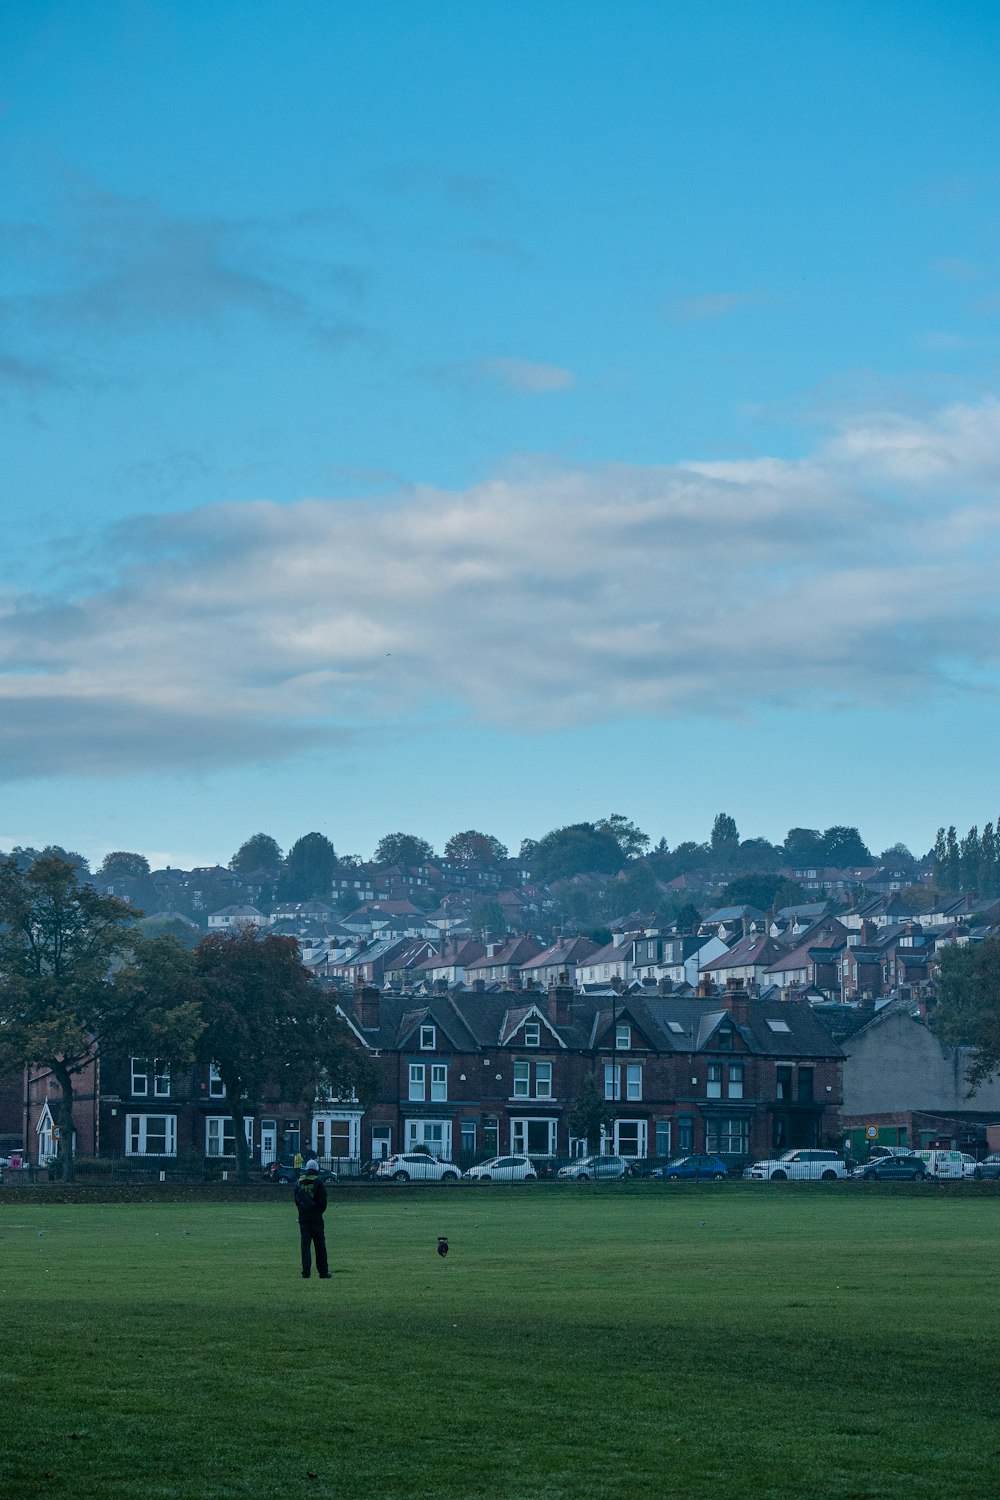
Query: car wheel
x: 531, y: 1176
x: 828, y: 1177
x: 486, y: 1177
x: 673, y: 1177
x: 583, y: 1177
x: 449, y: 1176
x: 779, y: 1176
x: 720, y: 1177
x: 978, y: 1174
x: 400, y: 1176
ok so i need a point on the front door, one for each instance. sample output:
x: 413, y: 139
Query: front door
x: 268, y: 1141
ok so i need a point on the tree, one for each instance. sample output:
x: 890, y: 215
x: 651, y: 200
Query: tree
x: 403, y: 849
x: 473, y: 848
x: 574, y: 850
x: 804, y: 846
x: 489, y: 919
x: 725, y: 840
x: 688, y: 919
x: 844, y: 846
x: 763, y: 891
x: 896, y: 854
x: 122, y: 865
x: 268, y: 1027
x: 590, y: 1115
x: 75, y: 977
x: 968, y: 1009
x: 631, y: 840
x: 308, y: 869
x: 24, y: 858
x: 260, y: 852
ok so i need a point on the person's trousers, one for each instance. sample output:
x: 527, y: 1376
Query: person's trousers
x: 312, y: 1234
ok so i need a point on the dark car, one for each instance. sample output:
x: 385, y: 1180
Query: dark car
x: 989, y: 1167
x: 282, y: 1174
x: 893, y: 1169
x: 693, y: 1168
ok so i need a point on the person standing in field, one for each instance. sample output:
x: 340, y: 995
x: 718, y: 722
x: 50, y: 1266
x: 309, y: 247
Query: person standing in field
x: 310, y: 1200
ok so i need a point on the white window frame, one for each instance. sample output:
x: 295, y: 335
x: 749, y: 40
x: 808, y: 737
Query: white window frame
x: 713, y: 1081
x: 418, y: 1082
x: 532, y: 1033
x: 623, y: 1036
x: 140, y: 1078
x: 161, y: 1079
x: 322, y: 1135
x: 642, y: 1138
x: 522, y: 1081
x: 137, y: 1135
x: 428, y: 1038
x: 519, y: 1137
x: 439, y: 1083
x: 218, y: 1137
x: 612, y: 1081
x: 543, y: 1080
x: 216, y: 1087
x: 439, y: 1143
x: 736, y: 1076
x: 633, y: 1082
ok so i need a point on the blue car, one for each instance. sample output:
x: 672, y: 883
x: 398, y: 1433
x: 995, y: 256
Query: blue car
x: 693, y: 1168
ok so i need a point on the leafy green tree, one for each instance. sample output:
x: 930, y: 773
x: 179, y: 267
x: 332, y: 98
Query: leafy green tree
x: 24, y: 858
x: 268, y: 1027
x: 590, y: 1115
x: 939, y: 854
x: 765, y: 891
x: 575, y: 850
x: 403, y: 849
x: 725, y: 840
x: 968, y: 1009
x: 260, y: 852
x: 123, y: 865
x: 473, y: 848
x: 896, y: 854
x: 844, y: 846
x: 308, y: 869
x: 637, y: 892
x: 76, y: 977
x: 688, y: 919
x: 489, y: 919
x: 804, y: 846
x: 952, y: 862
x: 630, y: 839
x: 968, y: 855
x: 760, y: 855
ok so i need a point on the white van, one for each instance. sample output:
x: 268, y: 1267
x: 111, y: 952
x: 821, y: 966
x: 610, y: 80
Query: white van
x: 943, y: 1165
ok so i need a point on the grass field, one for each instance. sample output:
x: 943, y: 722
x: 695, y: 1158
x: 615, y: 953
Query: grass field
x: 603, y: 1343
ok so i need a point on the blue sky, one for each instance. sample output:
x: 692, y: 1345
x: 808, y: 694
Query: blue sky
x: 431, y: 416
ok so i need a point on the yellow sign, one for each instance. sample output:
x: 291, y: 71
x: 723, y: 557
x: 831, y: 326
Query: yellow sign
x: 871, y: 1131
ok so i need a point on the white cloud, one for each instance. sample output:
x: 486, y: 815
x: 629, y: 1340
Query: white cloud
x: 712, y: 305
x: 864, y: 573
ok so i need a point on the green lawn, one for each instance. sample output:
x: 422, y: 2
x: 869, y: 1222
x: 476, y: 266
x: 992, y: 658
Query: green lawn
x: 611, y: 1342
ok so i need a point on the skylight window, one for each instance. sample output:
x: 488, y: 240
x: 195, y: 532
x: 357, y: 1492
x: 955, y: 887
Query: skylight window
x: 676, y: 1027
x: 779, y: 1025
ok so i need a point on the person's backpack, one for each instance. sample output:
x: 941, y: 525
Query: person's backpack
x: 305, y: 1193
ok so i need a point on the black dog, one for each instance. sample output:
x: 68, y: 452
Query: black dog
x: 442, y: 1245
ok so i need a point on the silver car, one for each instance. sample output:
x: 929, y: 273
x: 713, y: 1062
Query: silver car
x: 600, y: 1168
x: 503, y: 1169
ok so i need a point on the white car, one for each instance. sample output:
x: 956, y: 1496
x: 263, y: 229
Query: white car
x: 503, y: 1169
x: 809, y: 1166
x: 417, y: 1166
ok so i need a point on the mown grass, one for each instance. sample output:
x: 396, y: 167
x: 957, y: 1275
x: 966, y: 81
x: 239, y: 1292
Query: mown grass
x: 589, y: 1344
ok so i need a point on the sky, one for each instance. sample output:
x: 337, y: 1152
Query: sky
x: 416, y: 417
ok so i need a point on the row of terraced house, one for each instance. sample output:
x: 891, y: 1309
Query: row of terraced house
x: 472, y: 1072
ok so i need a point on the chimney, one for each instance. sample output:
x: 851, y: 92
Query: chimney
x: 441, y: 986
x: 366, y: 1006
x: 737, y: 1001
x: 561, y: 1000
x: 664, y: 986
x: 479, y: 986
x: 705, y: 989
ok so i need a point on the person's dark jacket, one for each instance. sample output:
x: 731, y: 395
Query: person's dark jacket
x: 310, y: 1198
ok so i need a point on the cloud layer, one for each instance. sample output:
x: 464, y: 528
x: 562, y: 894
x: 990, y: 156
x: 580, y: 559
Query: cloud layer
x: 864, y: 573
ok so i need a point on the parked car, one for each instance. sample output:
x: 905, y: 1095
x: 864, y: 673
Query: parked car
x: 503, y: 1169
x: 282, y: 1173
x: 690, y: 1168
x: 893, y: 1169
x: 417, y: 1166
x: 600, y: 1168
x: 988, y: 1168
x: 811, y: 1166
x: 945, y: 1166
x: 969, y: 1165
